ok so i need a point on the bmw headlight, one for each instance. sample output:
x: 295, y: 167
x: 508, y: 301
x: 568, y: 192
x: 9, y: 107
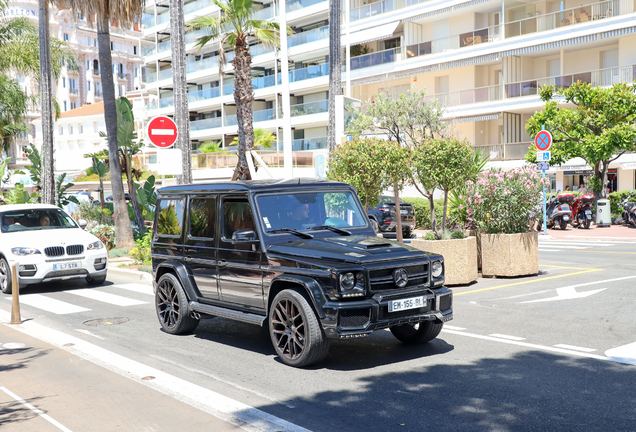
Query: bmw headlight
x: 347, y: 281
x: 436, y: 269
x: 23, y: 251
x: 96, y: 245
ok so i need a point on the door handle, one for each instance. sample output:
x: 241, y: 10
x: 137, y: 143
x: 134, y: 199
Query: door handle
x: 222, y: 263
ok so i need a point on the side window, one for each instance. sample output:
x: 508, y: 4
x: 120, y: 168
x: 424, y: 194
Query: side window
x: 237, y: 216
x: 170, y: 217
x: 202, y: 217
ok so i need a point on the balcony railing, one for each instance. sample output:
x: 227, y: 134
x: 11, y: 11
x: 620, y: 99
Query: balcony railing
x: 195, y: 6
x: 208, y: 123
x: 309, y: 108
x: 309, y: 144
x: 308, y: 36
x: 376, y: 58
x: 166, y: 102
x: 148, y: 78
x: 98, y: 93
x: 308, y: 73
x: 265, y: 13
x: 294, y: 5
x: 73, y: 91
x: 209, y: 93
x: 165, y: 74
x: 95, y: 72
x: 163, y: 46
x: 192, y: 36
x: 273, y: 159
x: 122, y: 76
x: 476, y: 37
x: 206, y: 63
x: 498, y: 152
x: 163, y: 18
x: 264, y: 115
x: 148, y: 21
x: 231, y: 120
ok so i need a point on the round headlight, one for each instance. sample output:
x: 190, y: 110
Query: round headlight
x: 436, y: 269
x: 347, y: 281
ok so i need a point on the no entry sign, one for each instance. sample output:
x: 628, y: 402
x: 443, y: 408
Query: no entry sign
x: 543, y: 140
x: 162, y: 131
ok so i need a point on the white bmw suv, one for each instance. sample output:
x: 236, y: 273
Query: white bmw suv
x: 48, y: 246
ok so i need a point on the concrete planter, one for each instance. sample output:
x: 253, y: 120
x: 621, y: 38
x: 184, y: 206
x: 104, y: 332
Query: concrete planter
x: 460, y: 258
x: 509, y: 254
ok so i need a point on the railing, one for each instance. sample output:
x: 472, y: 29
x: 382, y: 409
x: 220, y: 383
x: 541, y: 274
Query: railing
x: 192, y: 36
x: 512, y: 151
x: 149, y: 77
x: 264, y: 115
x: 308, y: 108
x: 74, y: 91
x: 148, y: 21
x: 96, y: 72
x: 122, y: 76
x: 294, y: 5
x: 264, y: 82
x: 98, y: 93
x: 209, y: 93
x: 273, y: 159
x: 309, y: 144
x: 231, y: 120
x: 463, y: 97
x: 208, y: 123
x: 376, y: 58
x: 195, y: 6
x: 308, y: 73
x: 259, y: 49
x: 207, y: 63
x: 477, y: 37
x: 165, y: 74
x: 372, y: 9
x: 163, y: 46
x: 308, y: 36
x: 166, y: 102
x: 148, y: 51
x: 265, y: 13
x: 152, y: 105
x: 163, y: 18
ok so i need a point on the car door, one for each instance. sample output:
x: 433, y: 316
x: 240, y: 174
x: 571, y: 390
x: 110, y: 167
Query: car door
x: 239, y: 262
x: 200, y: 244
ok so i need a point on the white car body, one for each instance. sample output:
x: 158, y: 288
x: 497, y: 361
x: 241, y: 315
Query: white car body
x: 62, y: 252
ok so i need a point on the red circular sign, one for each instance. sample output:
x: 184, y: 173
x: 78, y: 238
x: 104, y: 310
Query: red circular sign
x: 543, y: 140
x: 162, y: 131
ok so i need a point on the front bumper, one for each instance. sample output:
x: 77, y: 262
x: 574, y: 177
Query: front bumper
x: 360, y: 318
x: 387, y: 226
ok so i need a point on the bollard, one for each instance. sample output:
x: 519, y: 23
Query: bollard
x: 15, y: 286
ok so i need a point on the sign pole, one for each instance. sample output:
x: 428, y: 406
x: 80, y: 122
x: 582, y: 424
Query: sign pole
x: 544, y: 203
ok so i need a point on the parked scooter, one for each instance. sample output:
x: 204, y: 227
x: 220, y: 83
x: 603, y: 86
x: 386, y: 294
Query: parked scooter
x: 559, y: 212
x: 582, y: 211
x: 629, y: 208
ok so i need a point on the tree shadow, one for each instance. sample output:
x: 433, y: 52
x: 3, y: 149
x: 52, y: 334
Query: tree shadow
x: 14, y: 412
x: 23, y: 357
x: 68, y: 285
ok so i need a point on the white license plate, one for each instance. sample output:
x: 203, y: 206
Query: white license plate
x: 405, y: 304
x: 404, y: 212
x: 64, y: 266
x: 588, y: 212
x: 566, y: 218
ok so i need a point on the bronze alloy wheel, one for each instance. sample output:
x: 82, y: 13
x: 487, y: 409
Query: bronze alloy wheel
x: 288, y: 327
x: 172, y: 306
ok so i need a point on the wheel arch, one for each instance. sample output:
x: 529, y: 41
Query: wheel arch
x: 181, y: 273
x: 308, y: 286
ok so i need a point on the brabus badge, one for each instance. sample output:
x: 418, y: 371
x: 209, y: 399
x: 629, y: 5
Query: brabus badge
x: 400, y: 278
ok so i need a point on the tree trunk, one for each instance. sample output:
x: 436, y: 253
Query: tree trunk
x: 181, y: 112
x: 398, y: 213
x: 243, y: 97
x: 123, y: 230
x: 48, y: 177
x: 139, y: 219
x: 431, y: 206
x: 335, y: 69
x: 600, y: 171
x: 445, y: 210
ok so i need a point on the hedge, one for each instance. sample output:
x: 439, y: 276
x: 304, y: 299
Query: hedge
x: 423, y: 213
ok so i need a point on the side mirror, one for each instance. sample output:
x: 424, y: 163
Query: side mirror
x: 243, y: 236
x: 82, y: 223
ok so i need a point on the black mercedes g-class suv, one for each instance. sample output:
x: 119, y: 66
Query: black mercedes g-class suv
x: 298, y: 256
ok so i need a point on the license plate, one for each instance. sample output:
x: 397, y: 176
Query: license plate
x: 404, y: 212
x: 566, y: 218
x: 405, y: 304
x: 64, y: 266
x: 588, y: 212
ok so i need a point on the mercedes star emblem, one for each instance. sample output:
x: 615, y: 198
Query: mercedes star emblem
x: 400, y: 278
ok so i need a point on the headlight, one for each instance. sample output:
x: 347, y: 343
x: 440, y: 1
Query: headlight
x: 22, y: 251
x: 436, y: 269
x: 97, y: 245
x: 347, y: 281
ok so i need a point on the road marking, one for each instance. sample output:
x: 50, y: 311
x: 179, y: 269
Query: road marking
x: 624, y: 253
x: 611, y: 238
x: 446, y: 326
x: 548, y: 250
x: 49, y: 304
x: 567, y: 293
x: 564, y: 246
x: 136, y: 287
x: 623, y: 354
x: 39, y: 412
x: 106, y: 297
x: 562, y: 267
x: 86, y: 332
x: 575, y: 348
x: 216, y: 404
x: 502, y: 336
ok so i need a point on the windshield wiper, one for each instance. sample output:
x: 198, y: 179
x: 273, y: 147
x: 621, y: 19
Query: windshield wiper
x: 292, y: 231
x: 331, y: 228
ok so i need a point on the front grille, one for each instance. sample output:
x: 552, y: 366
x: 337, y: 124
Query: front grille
x: 70, y: 272
x: 404, y: 295
x: 74, y: 249
x: 382, y: 279
x: 354, y: 317
x: 54, y: 251
x: 445, y: 302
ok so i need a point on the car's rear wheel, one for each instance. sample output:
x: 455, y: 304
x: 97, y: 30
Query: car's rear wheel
x: 417, y: 333
x: 172, y: 308
x: 5, y: 276
x: 95, y: 280
x: 295, y: 331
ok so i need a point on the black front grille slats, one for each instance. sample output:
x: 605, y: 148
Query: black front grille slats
x: 382, y: 279
x: 74, y: 249
x: 57, y: 251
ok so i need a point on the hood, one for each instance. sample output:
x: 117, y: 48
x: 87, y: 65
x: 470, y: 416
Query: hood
x: 354, y: 249
x: 43, y: 238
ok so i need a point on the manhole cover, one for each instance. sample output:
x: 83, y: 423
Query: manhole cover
x: 106, y: 321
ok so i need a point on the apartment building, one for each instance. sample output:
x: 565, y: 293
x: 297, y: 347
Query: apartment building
x: 484, y: 60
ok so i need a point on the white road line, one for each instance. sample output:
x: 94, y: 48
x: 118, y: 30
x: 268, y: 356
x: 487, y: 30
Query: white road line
x: 613, y: 238
x: 89, y: 333
x: 502, y: 336
x: 46, y: 417
x: 446, y: 326
x: 564, y: 246
x: 623, y: 354
x: 136, y: 287
x: 49, y: 304
x: 576, y: 242
x: 106, y: 297
x: 216, y: 404
x: 548, y: 250
x: 575, y: 348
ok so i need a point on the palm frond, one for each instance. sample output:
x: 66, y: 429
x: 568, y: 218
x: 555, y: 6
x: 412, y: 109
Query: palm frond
x: 122, y: 12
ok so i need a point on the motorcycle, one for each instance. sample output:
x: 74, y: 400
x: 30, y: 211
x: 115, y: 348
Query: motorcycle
x: 629, y: 208
x: 558, y: 212
x: 582, y: 211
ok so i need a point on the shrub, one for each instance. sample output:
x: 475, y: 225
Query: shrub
x: 142, y: 251
x: 430, y: 236
x: 615, y: 199
x: 106, y: 234
x: 423, y: 212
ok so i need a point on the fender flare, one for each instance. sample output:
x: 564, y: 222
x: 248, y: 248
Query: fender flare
x: 181, y: 272
x: 311, y: 286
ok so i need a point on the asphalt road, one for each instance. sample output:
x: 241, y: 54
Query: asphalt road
x: 550, y: 352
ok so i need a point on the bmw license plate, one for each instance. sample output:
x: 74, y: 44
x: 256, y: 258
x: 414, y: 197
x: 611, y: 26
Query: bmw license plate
x: 405, y: 304
x: 65, y: 266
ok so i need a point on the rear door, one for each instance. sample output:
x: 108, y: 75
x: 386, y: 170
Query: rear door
x: 167, y: 242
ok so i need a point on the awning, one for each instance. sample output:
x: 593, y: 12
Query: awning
x: 628, y: 165
x: 376, y: 33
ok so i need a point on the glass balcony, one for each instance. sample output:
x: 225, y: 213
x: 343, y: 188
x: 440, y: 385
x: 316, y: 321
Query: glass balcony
x: 163, y: 18
x: 308, y: 108
x: 308, y: 73
x: 149, y: 77
x: 166, y: 102
x: 264, y: 115
x: 372, y: 9
x: 163, y: 46
x: 308, y: 36
x: 208, y: 123
x: 148, y: 20
x: 192, y: 36
x: 195, y: 6
x: 152, y: 105
x: 309, y: 144
x: 207, y: 63
x: 265, y: 13
x: 230, y: 120
x: 263, y: 82
x: 273, y: 159
x: 200, y: 95
x: 498, y: 152
x: 228, y: 89
x: 294, y: 5
x: 148, y: 51
x: 477, y: 37
x: 481, y: 94
x: 165, y: 74
x: 376, y: 58
x: 259, y: 49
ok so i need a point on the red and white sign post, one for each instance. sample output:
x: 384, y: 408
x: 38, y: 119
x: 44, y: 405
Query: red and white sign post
x: 543, y: 142
x: 162, y: 131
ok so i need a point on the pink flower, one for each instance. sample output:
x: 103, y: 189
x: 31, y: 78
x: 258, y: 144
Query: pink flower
x: 461, y: 207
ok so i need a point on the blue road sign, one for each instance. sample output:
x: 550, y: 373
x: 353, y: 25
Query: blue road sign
x: 543, y: 166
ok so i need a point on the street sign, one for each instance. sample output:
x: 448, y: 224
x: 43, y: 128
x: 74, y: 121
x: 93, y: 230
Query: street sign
x: 543, y: 166
x: 162, y: 131
x: 169, y: 162
x: 543, y: 140
x: 544, y: 156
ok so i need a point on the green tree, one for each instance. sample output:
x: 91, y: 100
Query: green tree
x: 262, y: 139
x: 397, y: 173
x: 599, y: 129
x: 61, y: 188
x: 13, y: 107
x: 234, y: 29
x: 457, y: 198
x: 210, y: 147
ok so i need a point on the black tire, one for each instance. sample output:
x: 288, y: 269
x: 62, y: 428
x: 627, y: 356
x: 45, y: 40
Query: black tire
x: 417, y: 333
x: 171, y: 304
x: 98, y: 280
x: 5, y: 276
x: 406, y: 233
x: 564, y: 224
x: 295, y: 331
x: 587, y: 223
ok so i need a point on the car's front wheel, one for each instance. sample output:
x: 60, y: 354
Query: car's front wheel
x: 95, y: 280
x: 417, y: 333
x: 172, y: 308
x: 295, y: 331
x: 5, y: 276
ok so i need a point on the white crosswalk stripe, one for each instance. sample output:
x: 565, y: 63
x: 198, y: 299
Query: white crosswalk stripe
x: 136, y: 287
x: 106, y: 297
x: 49, y: 304
x: 548, y: 245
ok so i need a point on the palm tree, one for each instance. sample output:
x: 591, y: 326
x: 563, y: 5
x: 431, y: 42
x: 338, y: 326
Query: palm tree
x: 335, y: 65
x: 13, y: 106
x: 262, y: 139
x: 234, y: 29
x: 48, y: 180
x: 210, y: 147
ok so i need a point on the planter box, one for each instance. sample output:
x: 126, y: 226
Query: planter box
x: 509, y: 254
x: 460, y: 258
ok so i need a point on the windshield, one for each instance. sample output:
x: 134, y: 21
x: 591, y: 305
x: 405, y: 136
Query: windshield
x: 302, y: 211
x: 35, y: 219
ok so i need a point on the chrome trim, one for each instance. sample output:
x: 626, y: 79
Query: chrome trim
x: 64, y: 259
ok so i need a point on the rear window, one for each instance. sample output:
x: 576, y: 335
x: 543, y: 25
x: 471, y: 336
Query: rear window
x: 170, y: 217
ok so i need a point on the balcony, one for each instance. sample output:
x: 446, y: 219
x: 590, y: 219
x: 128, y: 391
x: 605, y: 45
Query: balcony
x: 148, y: 20
x: 294, y: 5
x: 208, y: 123
x: 308, y: 36
x: 95, y: 72
x: 477, y: 37
x: 73, y: 92
x: 98, y: 94
x: 309, y: 108
x: 165, y: 74
x: 166, y: 102
x: 308, y: 73
x: 122, y: 76
x: 309, y: 144
x: 209, y: 93
x: 163, y: 18
x: 264, y: 115
x: 500, y: 152
x: 163, y: 46
x: 149, y: 78
x: 273, y: 159
x: 196, y: 6
x: 376, y: 58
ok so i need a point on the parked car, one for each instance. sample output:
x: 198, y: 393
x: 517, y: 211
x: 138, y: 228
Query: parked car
x: 384, y: 215
x: 49, y: 246
x: 109, y: 198
x: 296, y: 256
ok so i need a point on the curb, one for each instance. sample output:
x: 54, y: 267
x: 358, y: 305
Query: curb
x: 143, y: 276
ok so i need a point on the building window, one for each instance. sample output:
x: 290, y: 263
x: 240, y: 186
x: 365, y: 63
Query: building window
x: 88, y: 62
x: 61, y: 130
x: 74, y: 106
x: 72, y: 84
x: 65, y: 37
x: 64, y: 105
x: 81, y: 129
x: 89, y: 86
x: 135, y: 49
x: 70, y: 130
x: 112, y: 46
x: 136, y: 72
x: 152, y: 159
x: 63, y: 82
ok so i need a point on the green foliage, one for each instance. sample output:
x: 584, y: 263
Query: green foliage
x: 35, y: 169
x: 210, y: 147
x: 429, y: 236
x: 168, y: 221
x: 106, y: 233
x: 147, y: 198
x: 89, y: 212
x: 142, y: 251
x: 457, y: 234
x: 64, y: 198
x: 262, y: 139
x: 423, y: 211
x: 18, y: 195
x: 13, y: 108
x: 117, y: 253
x: 457, y: 198
x: 615, y: 199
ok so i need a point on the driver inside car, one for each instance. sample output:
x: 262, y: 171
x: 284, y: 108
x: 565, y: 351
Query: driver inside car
x: 301, y: 213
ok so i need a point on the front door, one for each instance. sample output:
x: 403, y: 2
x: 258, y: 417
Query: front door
x: 239, y: 262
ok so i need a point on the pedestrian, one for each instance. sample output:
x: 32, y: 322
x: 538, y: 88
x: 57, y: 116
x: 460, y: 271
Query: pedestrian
x: 582, y: 189
x: 567, y: 188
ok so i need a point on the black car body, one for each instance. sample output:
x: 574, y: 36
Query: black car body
x: 384, y: 215
x: 339, y: 276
